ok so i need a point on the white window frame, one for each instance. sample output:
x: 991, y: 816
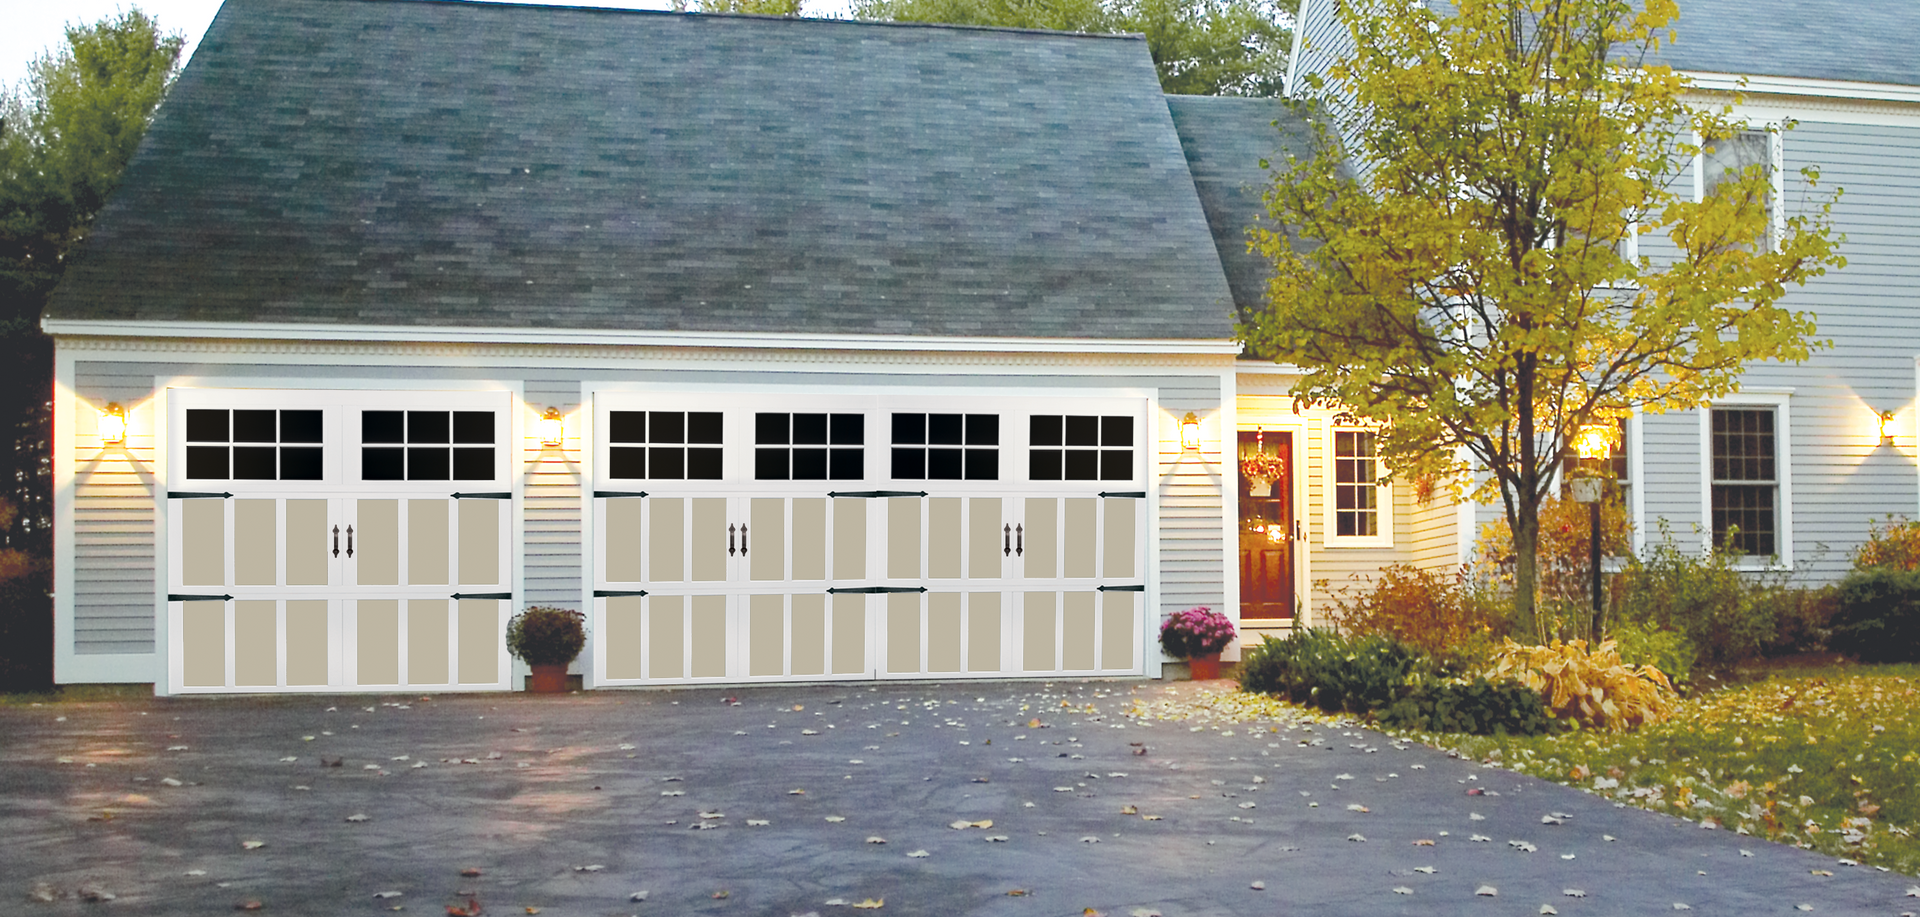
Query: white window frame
x: 1780, y: 400
x: 1329, y: 502
x: 1776, y: 172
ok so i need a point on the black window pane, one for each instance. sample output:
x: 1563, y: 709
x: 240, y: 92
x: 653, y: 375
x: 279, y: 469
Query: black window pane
x: 207, y: 462
x: 810, y: 429
x: 667, y: 427
x: 909, y: 464
x: 703, y: 464
x: 1116, y: 464
x: 1083, y: 431
x: 849, y: 429
x: 809, y: 464
x: 427, y: 427
x: 983, y: 429
x: 473, y: 463
x: 849, y: 465
x: 383, y: 427
x: 382, y: 464
x: 1116, y: 431
x: 627, y: 461
x: 255, y: 427
x: 770, y: 430
x: 300, y: 427
x: 944, y: 429
x: 255, y: 463
x: 909, y: 430
x: 207, y: 427
x: 1082, y: 465
x: 627, y: 427
x: 703, y: 427
x: 983, y: 464
x: 300, y: 463
x: 473, y: 427
x: 1043, y: 465
x: 1044, y: 431
x: 770, y: 464
x: 943, y: 465
x: 428, y: 464
x: 669, y: 462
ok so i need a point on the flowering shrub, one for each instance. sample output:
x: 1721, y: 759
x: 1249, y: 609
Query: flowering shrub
x: 1894, y: 544
x: 1441, y: 614
x: 1195, y: 632
x: 544, y: 635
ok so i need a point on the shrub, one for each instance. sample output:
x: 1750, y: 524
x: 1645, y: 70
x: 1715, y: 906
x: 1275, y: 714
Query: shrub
x: 1669, y: 651
x: 1195, y: 632
x: 1728, y: 615
x: 1564, y: 572
x: 1803, y: 620
x: 1892, y: 544
x: 1481, y: 707
x: 1436, y: 613
x: 1332, y: 671
x: 544, y: 635
x: 1594, y: 689
x: 1879, y: 614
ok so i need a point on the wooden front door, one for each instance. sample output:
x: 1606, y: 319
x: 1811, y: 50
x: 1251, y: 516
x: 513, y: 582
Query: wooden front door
x: 1268, y: 526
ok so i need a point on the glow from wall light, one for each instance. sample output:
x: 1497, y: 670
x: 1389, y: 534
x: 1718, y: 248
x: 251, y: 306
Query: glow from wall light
x: 113, y: 425
x: 1190, y: 433
x: 552, y: 428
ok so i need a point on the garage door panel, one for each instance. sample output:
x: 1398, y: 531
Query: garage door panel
x: 203, y: 644
x: 850, y: 635
x: 849, y: 539
x: 1043, y: 538
x: 766, y: 635
x: 768, y: 544
x: 667, y: 554
x: 256, y: 643
x: 428, y: 542
x: 203, y: 542
x: 903, y: 538
x: 1079, y: 537
x: 428, y: 644
x: 621, y: 542
x: 809, y: 634
x: 482, y: 540
x: 307, y: 561
x: 667, y: 637
x: 944, y: 537
x: 945, y: 634
x: 986, y: 538
x: 1078, y: 652
x: 376, y: 642
x: 707, y: 632
x: 256, y: 542
x: 810, y: 538
x: 1040, y: 624
x: 903, y: 633
x: 624, y: 636
x: 309, y: 641
x: 376, y: 559
x: 1119, y: 537
x: 983, y: 631
x: 711, y: 543
x: 482, y: 630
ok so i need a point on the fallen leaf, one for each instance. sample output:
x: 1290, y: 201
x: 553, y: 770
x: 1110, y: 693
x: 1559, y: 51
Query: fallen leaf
x: 593, y: 868
x: 248, y: 906
x: 637, y: 896
x: 1402, y: 890
x: 42, y: 893
x: 1803, y: 907
x: 169, y: 781
x: 1151, y: 817
x: 1573, y: 893
x: 1351, y: 807
x: 196, y: 872
x: 1257, y: 885
x: 1018, y: 893
x: 470, y: 872
x: 796, y: 792
x: 1357, y: 838
x: 919, y: 854
x: 1681, y: 907
x: 996, y: 839
x: 836, y: 819
x: 1548, y: 909
x: 388, y: 894
x: 1089, y: 839
x: 871, y: 903
x: 876, y: 839
x: 1143, y: 912
x: 357, y: 817
x: 1487, y: 891
x: 252, y: 845
x: 1423, y: 842
x: 1129, y: 810
x: 532, y: 910
x: 1821, y: 872
x: 471, y: 910
x: 758, y: 822
x: 1092, y: 912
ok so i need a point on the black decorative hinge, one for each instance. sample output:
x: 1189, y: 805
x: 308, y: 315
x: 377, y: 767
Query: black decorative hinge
x: 871, y: 590
x: 616, y: 593
x: 1120, y: 588
x: 491, y: 495
x: 173, y: 597
x: 1135, y: 494
x: 870, y: 494
x: 197, y: 495
x: 483, y: 595
x: 619, y: 493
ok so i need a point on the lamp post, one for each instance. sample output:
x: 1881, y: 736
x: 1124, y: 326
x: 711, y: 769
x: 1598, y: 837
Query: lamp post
x: 1592, y: 444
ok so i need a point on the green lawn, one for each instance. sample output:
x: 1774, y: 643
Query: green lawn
x: 71, y: 694
x: 1827, y: 759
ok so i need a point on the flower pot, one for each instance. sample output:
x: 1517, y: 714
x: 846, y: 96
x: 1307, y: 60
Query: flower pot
x: 1205, y: 668
x: 1259, y: 487
x: 548, y: 679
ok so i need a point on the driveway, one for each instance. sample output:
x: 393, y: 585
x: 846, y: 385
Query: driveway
x: 978, y: 798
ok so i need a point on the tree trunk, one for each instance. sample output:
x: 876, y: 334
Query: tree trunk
x: 1526, y: 566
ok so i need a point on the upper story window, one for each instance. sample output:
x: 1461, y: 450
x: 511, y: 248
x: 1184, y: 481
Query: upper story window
x: 664, y: 445
x: 426, y: 446
x: 1745, y: 488
x: 1080, y: 448
x: 254, y: 445
x: 946, y: 447
x: 1725, y: 158
x: 809, y: 447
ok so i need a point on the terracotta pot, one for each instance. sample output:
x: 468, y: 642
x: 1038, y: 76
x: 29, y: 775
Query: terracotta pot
x: 1205, y: 668
x: 548, y: 679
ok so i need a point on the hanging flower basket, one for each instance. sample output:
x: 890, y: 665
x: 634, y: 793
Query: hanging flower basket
x: 1263, y: 466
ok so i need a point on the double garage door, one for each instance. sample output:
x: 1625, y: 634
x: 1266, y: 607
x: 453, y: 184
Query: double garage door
x: 337, y: 541
x: 843, y: 536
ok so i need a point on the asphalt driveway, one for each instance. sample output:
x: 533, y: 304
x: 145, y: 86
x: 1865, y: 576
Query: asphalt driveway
x: 983, y: 798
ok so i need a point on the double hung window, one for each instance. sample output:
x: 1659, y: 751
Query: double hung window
x: 1358, y: 507
x: 1745, y: 489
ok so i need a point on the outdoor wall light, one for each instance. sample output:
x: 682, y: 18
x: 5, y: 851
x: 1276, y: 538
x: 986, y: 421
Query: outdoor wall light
x: 1190, y: 433
x: 552, y: 428
x: 1593, y: 441
x: 1886, y: 428
x: 113, y: 424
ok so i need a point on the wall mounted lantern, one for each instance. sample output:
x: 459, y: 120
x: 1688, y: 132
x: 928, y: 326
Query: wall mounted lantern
x: 113, y: 424
x: 552, y: 428
x: 1190, y: 433
x: 1886, y: 428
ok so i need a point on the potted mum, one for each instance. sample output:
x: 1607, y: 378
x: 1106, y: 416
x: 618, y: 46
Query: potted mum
x: 547, y: 639
x: 1197, y: 635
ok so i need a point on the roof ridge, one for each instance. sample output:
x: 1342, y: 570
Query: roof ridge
x: 588, y: 8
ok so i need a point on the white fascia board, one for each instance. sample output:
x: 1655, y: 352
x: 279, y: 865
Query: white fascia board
x: 1798, y: 86
x: 300, y: 331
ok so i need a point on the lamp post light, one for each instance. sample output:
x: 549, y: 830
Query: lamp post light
x: 1592, y: 444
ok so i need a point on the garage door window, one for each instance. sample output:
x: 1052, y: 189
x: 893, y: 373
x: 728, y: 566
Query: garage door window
x: 809, y: 447
x: 664, y: 445
x: 254, y: 445
x: 946, y: 447
x: 426, y: 446
x: 1078, y: 448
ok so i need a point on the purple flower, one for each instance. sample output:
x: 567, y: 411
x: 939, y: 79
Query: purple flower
x: 1195, y: 632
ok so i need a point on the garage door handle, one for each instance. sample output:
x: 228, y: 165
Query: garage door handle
x: 349, y: 542
x: 729, y: 541
x: 336, y: 541
x: 1020, y: 540
x: 1006, y: 542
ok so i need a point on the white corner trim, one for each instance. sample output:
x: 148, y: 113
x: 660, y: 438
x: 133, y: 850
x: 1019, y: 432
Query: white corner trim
x: 1781, y: 402
x: 1802, y: 86
x: 301, y: 331
x: 1636, y: 478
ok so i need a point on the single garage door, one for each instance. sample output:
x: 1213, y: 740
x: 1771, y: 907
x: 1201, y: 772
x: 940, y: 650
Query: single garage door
x: 860, y: 536
x: 337, y: 541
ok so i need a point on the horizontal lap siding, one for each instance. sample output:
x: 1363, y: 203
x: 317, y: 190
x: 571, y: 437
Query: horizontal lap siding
x: 1192, y: 501
x: 552, y: 497
x: 1843, y: 479
x: 113, y: 527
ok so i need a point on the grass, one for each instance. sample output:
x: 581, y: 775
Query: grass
x: 1827, y: 759
x: 76, y: 694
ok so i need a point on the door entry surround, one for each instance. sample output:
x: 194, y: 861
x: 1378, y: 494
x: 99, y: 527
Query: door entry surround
x: 851, y: 535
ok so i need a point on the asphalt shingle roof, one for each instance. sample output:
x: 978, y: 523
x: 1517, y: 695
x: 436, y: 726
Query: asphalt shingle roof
x: 1869, y: 42
x: 406, y: 162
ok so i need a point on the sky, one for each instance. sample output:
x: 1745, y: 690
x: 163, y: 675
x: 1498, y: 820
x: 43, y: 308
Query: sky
x: 32, y: 27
